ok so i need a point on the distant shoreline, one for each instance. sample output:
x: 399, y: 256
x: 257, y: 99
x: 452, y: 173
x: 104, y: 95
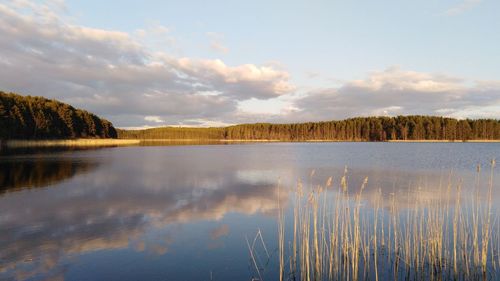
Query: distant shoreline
x: 68, y: 142
x: 207, y: 140
x: 132, y: 142
x: 326, y: 140
x: 436, y: 141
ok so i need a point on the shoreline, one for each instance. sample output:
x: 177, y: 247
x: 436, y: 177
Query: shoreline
x: 445, y: 141
x: 201, y: 140
x: 324, y: 140
x: 134, y: 142
x: 68, y: 143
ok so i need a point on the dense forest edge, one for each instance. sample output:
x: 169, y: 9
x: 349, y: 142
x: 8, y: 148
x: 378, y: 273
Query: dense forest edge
x: 400, y: 128
x: 39, y: 118
x: 34, y: 118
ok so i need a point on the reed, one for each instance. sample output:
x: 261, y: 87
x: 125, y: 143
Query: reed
x: 418, y: 235
x: 281, y: 231
x: 487, y: 224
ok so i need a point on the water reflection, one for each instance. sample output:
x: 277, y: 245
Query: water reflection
x: 180, y: 212
x: 406, y: 188
x: 42, y: 230
x: 32, y: 173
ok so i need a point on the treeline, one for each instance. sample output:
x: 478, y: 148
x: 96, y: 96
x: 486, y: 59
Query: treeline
x: 27, y: 117
x: 354, y: 129
x: 174, y: 133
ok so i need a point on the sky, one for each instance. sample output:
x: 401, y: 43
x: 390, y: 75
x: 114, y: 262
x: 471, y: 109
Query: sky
x: 155, y: 63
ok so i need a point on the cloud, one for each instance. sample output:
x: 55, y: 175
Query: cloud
x: 216, y: 42
x: 462, y: 7
x: 114, y: 74
x: 156, y: 37
x: 312, y: 74
x: 131, y: 80
x: 219, y: 232
x: 240, y: 82
x: 155, y: 119
x: 395, y: 91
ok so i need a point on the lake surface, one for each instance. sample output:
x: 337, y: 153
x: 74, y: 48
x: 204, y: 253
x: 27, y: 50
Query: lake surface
x: 186, y: 212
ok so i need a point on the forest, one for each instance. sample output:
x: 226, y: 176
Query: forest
x: 28, y: 117
x: 353, y: 129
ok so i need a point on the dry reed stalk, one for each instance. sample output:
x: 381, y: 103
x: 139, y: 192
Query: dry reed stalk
x: 423, y: 238
x: 281, y: 239
x: 375, y: 242
x: 486, y: 225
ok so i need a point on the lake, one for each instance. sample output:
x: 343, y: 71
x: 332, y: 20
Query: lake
x: 211, y: 212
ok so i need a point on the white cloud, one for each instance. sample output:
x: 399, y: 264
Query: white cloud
x: 216, y: 42
x: 203, y: 123
x: 129, y: 80
x: 265, y: 107
x: 241, y: 82
x: 395, y: 91
x: 157, y: 37
x: 395, y: 78
x: 155, y: 119
x: 389, y: 92
x: 462, y: 7
x: 113, y: 74
x: 219, y: 47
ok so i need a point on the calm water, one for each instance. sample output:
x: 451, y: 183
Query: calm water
x: 184, y: 212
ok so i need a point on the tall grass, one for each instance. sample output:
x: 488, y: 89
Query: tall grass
x: 422, y: 235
